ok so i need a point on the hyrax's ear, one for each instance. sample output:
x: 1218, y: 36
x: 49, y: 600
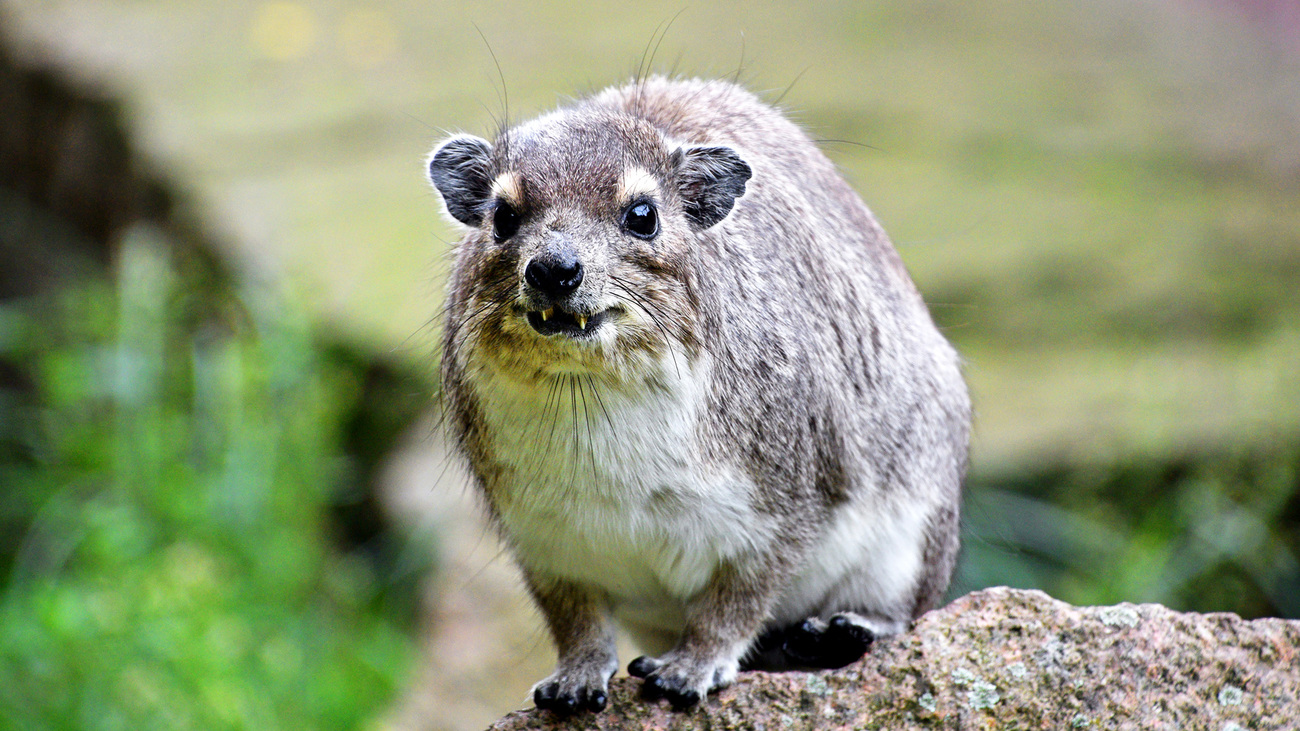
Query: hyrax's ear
x: 710, y: 179
x: 460, y: 169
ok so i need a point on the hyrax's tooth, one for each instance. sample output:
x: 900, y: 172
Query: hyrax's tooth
x: 582, y: 321
x: 546, y: 313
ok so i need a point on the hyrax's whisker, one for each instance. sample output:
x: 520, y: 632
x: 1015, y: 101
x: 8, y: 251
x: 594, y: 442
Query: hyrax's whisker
x: 573, y: 419
x: 646, y: 304
x: 594, y: 392
x: 586, y: 416
x: 539, y: 423
x: 488, y: 305
x: 558, y: 389
x: 648, y: 309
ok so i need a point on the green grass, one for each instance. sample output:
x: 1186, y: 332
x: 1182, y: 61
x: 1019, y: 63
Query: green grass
x: 166, y: 559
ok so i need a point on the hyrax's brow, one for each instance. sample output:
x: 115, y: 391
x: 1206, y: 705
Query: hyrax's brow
x: 507, y: 186
x: 636, y: 182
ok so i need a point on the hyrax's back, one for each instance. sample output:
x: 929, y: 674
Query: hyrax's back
x: 827, y: 349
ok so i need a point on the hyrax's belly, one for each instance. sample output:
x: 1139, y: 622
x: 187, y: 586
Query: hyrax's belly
x: 658, y: 536
x: 866, y: 560
x: 616, y: 494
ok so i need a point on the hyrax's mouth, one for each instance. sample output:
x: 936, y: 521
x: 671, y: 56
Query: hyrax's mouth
x: 556, y: 321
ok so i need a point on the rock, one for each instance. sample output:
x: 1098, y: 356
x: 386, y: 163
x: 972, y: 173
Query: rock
x: 1010, y: 659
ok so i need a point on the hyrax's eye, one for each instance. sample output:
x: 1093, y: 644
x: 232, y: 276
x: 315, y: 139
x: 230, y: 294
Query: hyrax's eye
x: 641, y: 221
x: 505, y: 221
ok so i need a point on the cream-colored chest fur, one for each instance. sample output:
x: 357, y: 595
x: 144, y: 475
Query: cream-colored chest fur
x: 607, y: 487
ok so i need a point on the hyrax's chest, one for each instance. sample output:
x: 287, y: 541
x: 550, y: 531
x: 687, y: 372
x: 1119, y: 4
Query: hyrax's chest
x: 609, y: 486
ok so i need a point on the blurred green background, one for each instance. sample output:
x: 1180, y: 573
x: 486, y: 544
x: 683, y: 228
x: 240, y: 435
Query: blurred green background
x: 219, y: 506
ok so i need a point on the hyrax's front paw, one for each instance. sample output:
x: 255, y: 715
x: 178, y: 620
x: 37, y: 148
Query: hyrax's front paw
x: 681, y: 679
x: 578, y: 687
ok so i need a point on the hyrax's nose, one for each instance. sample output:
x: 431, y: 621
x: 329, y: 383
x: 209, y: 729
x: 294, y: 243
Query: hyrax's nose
x: 554, y: 275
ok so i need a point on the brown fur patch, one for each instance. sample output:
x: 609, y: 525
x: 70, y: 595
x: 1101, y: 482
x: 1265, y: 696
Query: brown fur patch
x: 508, y: 187
x: 636, y: 182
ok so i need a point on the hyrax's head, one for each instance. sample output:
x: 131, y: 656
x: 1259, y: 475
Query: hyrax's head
x: 582, y: 225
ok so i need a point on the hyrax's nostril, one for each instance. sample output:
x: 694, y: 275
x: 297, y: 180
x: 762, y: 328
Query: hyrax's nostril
x: 555, y: 276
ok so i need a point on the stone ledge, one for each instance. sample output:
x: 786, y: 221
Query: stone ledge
x: 1005, y: 658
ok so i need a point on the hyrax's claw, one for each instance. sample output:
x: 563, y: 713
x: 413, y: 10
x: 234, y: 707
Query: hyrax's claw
x: 805, y: 644
x: 544, y: 694
x: 682, y: 679
x: 682, y: 701
x: 653, y: 688
x: 678, y: 695
x: 850, y: 632
x: 548, y: 697
x: 642, y: 666
x: 565, y: 694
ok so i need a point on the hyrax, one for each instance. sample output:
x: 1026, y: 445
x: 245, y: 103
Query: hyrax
x: 697, y: 388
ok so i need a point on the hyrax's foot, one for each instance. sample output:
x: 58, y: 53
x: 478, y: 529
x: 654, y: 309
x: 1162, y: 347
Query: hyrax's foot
x: 575, y: 689
x: 828, y: 644
x: 682, y: 680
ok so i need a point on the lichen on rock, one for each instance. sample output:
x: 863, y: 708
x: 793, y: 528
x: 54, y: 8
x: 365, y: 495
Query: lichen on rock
x: 982, y: 695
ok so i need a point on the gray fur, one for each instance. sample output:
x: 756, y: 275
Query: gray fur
x: 459, y: 168
x: 764, y: 424
x: 709, y: 180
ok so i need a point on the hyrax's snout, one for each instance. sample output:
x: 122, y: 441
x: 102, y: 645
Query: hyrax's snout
x: 554, y: 274
x: 552, y: 280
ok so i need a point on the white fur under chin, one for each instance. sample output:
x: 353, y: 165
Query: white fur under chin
x: 609, y: 489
